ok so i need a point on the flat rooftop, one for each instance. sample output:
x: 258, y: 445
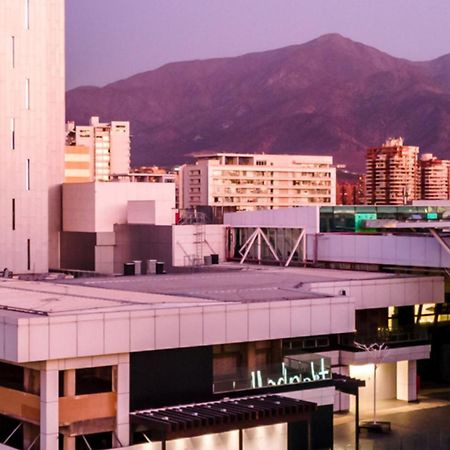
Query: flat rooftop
x: 228, y: 283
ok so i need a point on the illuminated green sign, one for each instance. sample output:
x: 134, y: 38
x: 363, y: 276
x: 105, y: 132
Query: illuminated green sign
x: 432, y: 216
x: 362, y: 217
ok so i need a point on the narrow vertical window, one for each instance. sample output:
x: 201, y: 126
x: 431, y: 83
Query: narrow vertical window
x: 27, y: 14
x: 13, y: 52
x: 27, y: 93
x: 28, y: 254
x: 13, y: 213
x: 13, y: 133
x: 27, y: 175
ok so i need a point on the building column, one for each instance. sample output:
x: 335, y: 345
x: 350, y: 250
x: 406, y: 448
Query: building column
x: 31, y: 385
x: 121, y: 381
x: 251, y: 356
x: 407, y: 380
x: 49, y: 407
x: 342, y: 400
x: 69, y: 391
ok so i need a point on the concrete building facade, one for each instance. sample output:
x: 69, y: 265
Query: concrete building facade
x: 114, y: 362
x: 377, y: 239
x: 31, y: 133
x: 235, y: 182
x: 93, y: 211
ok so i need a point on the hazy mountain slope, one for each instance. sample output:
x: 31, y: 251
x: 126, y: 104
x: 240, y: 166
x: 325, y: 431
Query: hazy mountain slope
x: 328, y: 96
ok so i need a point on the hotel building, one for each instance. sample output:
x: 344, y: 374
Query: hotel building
x: 242, y: 182
x: 392, y: 174
x: 31, y: 133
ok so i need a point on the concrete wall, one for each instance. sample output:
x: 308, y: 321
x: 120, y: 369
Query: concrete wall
x: 141, y: 212
x: 78, y: 251
x: 141, y: 242
x: 32, y: 108
x: 184, y: 248
x: 385, y: 292
x: 408, y: 250
x: 97, y: 207
x: 386, y: 385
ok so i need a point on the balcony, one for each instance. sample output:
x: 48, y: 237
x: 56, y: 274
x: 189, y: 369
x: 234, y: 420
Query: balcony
x: 397, y: 337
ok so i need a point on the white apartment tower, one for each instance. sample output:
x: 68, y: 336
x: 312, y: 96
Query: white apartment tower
x: 245, y: 182
x: 31, y: 132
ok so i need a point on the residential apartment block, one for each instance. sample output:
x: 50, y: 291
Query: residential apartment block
x: 434, y: 178
x: 392, y: 173
x: 31, y: 133
x: 351, y: 193
x: 242, y: 182
x: 106, y: 151
x: 396, y: 175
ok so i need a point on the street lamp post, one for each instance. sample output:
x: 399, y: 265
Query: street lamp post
x: 377, y: 353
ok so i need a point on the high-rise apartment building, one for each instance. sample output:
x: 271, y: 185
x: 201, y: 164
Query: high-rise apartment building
x: 434, y: 177
x: 239, y: 182
x: 31, y: 132
x: 106, y: 151
x: 392, y: 172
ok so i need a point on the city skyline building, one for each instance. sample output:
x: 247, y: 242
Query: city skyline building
x: 247, y: 181
x: 106, y: 151
x: 31, y: 133
x: 392, y: 173
x: 434, y: 177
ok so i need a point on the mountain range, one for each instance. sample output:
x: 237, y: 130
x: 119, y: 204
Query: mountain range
x: 328, y: 96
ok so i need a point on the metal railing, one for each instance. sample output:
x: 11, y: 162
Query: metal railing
x: 392, y: 337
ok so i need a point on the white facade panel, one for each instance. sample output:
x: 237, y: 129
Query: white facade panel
x: 96, y: 207
x: 385, y: 292
x: 152, y: 329
x: 190, y: 242
x: 32, y: 113
x: 258, y: 321
x: 410, y: 250
x: 306, y: 217
x: 411, y: 353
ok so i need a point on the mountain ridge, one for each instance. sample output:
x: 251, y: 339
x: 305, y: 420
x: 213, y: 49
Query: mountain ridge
x: 330, y: 95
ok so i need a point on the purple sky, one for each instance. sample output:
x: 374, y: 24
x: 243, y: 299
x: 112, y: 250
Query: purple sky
x: 112, y: 39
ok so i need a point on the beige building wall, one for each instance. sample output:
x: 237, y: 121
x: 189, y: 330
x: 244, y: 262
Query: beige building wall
x: 31, y: 132
x: 78, y: 164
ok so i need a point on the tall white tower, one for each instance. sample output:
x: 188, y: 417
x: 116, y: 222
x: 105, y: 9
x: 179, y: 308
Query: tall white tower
x: 32, y: 85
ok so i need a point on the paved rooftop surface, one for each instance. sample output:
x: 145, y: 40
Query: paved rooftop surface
x: 229, y: 283
x: 232, y: 283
